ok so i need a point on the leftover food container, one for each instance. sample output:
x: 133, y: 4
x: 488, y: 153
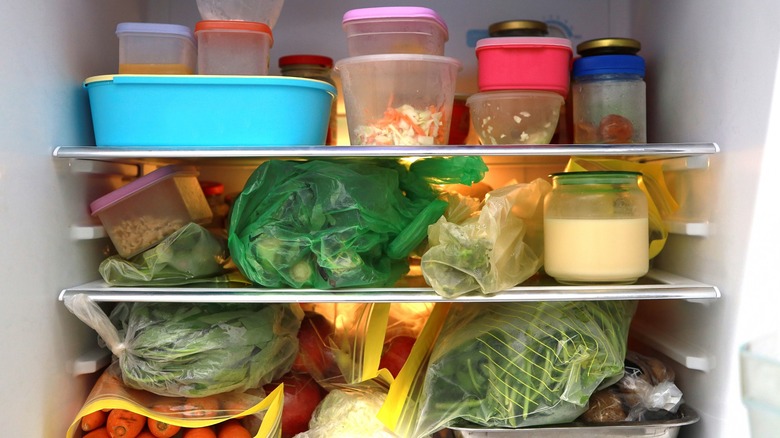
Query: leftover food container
x: 398, y: 99
x: 524, y: 63
x: 395, y: 29
x: 233, y: 47
x: 155, y: 48
x: 515, y: 116
x: 215, y: 111
x: 143, y: 212
x: 626, y: 429
x: 259, y: 11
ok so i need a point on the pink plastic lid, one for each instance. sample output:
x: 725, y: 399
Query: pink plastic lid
x: 389, y: 12
x: 502, y: 42
x: 140, y: 185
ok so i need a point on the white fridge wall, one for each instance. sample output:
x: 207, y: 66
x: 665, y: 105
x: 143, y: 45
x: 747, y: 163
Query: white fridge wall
x: 48, y: 48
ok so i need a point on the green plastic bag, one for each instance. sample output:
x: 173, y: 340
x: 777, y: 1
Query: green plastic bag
x: 337, y: 224
x: 192, y: 254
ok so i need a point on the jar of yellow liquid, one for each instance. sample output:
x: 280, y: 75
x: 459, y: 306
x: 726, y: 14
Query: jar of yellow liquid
x: 596, y: 228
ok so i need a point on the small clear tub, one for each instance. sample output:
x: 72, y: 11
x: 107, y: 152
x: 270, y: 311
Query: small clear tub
x: 156, y: 48
x: 233, y: 47
x: 394, y: 29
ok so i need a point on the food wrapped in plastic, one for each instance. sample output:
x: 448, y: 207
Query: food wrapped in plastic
x: 191, y: 254
x: 496, y: 248
x: 195, y: 350
x: 349, y: 412
x: 335, y: 224
x: 510, y: 365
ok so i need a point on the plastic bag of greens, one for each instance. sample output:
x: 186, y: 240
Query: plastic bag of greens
x: 335, y: 224
x: 195, y: 350
x: 497, y: 248
x: 192, y: 254
x: 509, y: 365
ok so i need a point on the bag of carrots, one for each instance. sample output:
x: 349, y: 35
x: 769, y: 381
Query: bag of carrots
x: 114, y: 410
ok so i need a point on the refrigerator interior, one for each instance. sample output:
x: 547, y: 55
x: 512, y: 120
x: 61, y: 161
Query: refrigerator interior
x: 712, y: 70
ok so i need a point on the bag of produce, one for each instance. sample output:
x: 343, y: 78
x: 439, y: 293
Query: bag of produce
x: 496, y: 248
x: 113, y: 409
x: 191, y: 254
x: 337, y: 224
x: 508, y: 365
x: 195, y: 350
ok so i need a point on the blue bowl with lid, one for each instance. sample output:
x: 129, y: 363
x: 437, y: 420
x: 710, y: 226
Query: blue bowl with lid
x: 174, y: 111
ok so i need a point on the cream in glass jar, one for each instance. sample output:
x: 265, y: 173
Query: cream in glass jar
x: 596, y: 228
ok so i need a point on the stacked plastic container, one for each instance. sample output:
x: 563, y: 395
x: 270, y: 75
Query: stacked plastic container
x: 523, y: 82
x: 398, y: 86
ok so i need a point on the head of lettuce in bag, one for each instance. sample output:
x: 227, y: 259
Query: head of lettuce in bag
x: 333, y: 224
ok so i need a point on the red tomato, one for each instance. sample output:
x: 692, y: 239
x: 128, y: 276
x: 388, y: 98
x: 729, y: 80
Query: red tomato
x: 396, y: 353
x: 314, y: 355
x: 302, y: 394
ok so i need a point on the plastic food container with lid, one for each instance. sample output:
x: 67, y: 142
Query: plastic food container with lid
x: 142, y: 213
x: 258, y: 11
x: 394, y: 29
x: 233, y: 47
x: 155, y: 48
x: 524, y: 63
x: 314, y: 67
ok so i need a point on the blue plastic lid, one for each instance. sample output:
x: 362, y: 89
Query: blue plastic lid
x: 609, y: 64
x: 139, y: 185
x: 390, y: 12
x: 161, y: 28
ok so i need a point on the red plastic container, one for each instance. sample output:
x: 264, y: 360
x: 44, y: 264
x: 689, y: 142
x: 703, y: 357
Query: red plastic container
x: 524, y: 63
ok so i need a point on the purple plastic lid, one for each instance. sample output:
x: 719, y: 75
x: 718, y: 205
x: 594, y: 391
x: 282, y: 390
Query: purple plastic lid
x: 139, y: 185
x: 394, y: 12
x: 162, y: 28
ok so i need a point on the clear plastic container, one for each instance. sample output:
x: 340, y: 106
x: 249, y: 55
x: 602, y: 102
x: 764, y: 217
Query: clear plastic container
x: 142, y: 213
x: 233, y: 47
x: 395, y: 29
x: 608, y: 100
x: 258, y: 11
x: 398, y: 99
x: 515, y: 116
x: 154, y: 48
x: 313, y: 67
x: 596, y: 228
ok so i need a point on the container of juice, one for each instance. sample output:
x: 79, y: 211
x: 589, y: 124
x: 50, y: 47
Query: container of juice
x: 156, y: 48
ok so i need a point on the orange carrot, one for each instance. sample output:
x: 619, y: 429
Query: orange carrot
x: 161, y: 429
x: 145, y: 434
x: 98, y: 433
x: 93, y: 420
x: 124, y: 424
x: 199, y: 407
x: 233, y: 429
x: 200, y: 432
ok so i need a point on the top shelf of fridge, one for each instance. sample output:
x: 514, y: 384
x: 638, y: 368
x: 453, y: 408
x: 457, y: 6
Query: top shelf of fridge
x: 134, y: 155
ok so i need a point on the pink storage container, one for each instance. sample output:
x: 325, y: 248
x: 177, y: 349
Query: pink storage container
x: 524, y: 63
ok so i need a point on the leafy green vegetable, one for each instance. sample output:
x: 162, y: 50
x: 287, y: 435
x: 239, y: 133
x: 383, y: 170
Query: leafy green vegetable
x: 194, y: 350
x: 522, y: 364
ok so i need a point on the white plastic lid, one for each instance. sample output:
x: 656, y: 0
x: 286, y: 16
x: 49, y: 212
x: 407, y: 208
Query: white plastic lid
x: 160, y: 28
x: 140, y: 185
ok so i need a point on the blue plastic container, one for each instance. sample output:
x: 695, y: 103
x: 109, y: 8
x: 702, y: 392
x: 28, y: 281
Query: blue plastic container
x: 171, y: 111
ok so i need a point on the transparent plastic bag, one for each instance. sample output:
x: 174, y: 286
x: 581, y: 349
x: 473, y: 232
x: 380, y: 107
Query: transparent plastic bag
x: 256, y: 412
x: 349, y: 412
x: 487, y: 252
x: 192, y: 254
x: 195, y: 350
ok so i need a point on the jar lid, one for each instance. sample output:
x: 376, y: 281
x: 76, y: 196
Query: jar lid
x: 518, y: 28
x: 609, y: 64
x: 395, y: 12
x: 140, y: 185
x: 609, y: 46
x: 161, y: 28
x: 243, y: 26
x: 596, y: 177
x: 323, y: 61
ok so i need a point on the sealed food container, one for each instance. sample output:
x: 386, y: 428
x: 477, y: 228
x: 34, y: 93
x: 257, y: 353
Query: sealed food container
x: 626, y: 429
x: 233, y: 47
x: 142, y: 213
x: 515, y: 116
x: 313, y: 67
x: 156, y: 48
x: 524, y: 63
x: 215, y: 111
x: 608, y: 99
x: 596, y: 228
x: 394, y: 29
x: 398, y: 99
x: 518, y: 28
x: 258, y: 11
